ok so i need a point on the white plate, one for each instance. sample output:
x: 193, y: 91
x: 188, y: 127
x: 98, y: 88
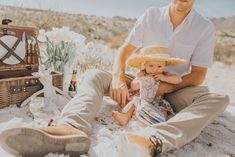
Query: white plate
x: 20, y: 49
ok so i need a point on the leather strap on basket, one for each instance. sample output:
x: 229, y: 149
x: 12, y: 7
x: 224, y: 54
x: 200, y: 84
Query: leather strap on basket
x: 10, y: 50
x: 20, y: 89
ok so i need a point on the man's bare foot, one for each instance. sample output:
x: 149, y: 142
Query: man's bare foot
x: 120, y: 117
x: 61, y: 130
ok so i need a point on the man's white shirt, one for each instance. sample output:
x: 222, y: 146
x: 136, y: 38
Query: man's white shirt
x: 193, y: 40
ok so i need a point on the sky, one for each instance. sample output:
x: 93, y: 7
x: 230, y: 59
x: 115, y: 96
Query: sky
x: 126, y: 8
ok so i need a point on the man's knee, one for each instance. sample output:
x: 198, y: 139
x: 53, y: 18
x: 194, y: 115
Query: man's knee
x: 218, y: 102
x: 94, y: 75
x: 224, y: 101
x: 97, y: 79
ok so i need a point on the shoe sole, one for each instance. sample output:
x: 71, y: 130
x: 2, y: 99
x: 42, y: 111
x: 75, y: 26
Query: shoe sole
x: 29, y: 142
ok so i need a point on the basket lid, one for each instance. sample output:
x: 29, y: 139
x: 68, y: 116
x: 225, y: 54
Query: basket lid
x: 14, y: 59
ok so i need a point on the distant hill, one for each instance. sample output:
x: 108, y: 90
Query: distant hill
x: 111, y: 31
x: 224, y: 23
x: 225, y: 41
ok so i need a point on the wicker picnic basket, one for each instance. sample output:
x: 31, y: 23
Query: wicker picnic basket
x: 16, y: 81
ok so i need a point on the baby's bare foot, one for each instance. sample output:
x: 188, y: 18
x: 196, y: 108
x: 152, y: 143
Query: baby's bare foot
x: 120, y: 117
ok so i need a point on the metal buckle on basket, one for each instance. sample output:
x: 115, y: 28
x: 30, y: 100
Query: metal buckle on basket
x: 15, y: 89
x: 5, y: 30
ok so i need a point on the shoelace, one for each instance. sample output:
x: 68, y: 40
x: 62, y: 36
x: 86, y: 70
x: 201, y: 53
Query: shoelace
x: 156, y: 147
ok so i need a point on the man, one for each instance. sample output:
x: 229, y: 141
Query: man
x: 188, y: 36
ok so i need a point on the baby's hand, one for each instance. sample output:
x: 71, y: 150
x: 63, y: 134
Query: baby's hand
x: 160, y: 77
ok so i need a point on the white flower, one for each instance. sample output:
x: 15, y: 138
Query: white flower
x: 42, y: 36
x: 64, y: 34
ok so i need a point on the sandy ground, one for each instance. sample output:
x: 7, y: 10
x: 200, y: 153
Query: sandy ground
x: 217, y: 139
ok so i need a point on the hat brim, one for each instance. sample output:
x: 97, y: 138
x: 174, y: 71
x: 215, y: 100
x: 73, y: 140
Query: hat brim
x: 137, y: 60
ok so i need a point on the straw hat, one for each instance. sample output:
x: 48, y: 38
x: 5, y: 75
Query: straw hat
x: 153, y: 53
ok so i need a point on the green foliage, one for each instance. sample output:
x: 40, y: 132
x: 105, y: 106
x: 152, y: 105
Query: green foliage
x: 58, y: 55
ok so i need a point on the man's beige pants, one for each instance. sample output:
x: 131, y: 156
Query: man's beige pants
x: 196, y: 108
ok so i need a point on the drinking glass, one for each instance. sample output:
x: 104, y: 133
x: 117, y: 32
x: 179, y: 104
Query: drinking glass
x: 36, y: 106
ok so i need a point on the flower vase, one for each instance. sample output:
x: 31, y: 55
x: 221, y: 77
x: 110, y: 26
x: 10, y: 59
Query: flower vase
x: 67, y: 77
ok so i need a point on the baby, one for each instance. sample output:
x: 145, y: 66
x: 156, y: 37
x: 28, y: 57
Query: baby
x: 149, y: 108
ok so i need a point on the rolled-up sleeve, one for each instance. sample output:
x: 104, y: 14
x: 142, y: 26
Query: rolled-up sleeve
x: 136, y: 35
x: 204, y: 51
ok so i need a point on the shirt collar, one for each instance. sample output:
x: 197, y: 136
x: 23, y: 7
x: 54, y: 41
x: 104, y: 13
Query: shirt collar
x: 188, y: 19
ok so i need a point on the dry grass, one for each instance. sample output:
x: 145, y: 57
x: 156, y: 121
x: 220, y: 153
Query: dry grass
x: 110, y: 31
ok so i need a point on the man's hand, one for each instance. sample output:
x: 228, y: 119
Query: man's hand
x: 118, y: 87
x: 119, y: 91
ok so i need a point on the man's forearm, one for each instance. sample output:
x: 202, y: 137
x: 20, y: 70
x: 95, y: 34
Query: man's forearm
x: 195, y: 78
x: 173, y: 79
x: 119, y: 64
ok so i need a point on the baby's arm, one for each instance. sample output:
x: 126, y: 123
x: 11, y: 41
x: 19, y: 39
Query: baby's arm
x: 135, y: 84
x: 169, y: 78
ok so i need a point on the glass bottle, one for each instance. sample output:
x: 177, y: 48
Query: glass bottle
x: 73, y: 84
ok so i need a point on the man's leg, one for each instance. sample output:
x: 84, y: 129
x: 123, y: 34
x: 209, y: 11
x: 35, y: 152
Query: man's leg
x: 197, y: 108
x: 62, y: 138
x: 82, y: 109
